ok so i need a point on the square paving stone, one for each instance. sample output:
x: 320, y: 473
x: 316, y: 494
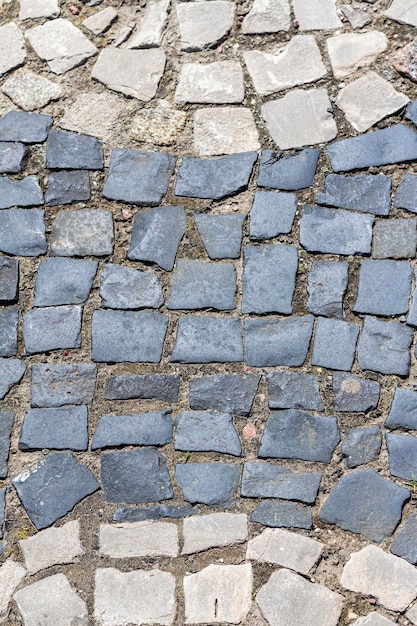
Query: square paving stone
x: 293, y: 390
x: 63, y: 281
x: 402, y: 451
x: 66, y: 150
x: 316, y: 14
x: 87, y: 232
x: 403, y: 411
x: 265, y: 480
x: 20, y: 193
x: 354, y: 394
x: 6, y: 426
x: 157, y: 234
x: 406, y: 195
x: 52, y: 328
x: 9, y: 319
x: 385, y: 347
x: 363, y: 192
x: 57, y: 384
x: 272, y: 214
x: 268, y: 280
x: 22, y: 232
x: 9, y: 280
x: 57, y: 429
x: 335, y: 231
x: 138, y: 177
x: 224, y: 392
x: 126, y: 288
x: 215, y: 178
x: 221, y: 234
x: 362, y: 445
x: 25, y: 127
x: 405, y: 543
x: 196, y: 284
x: 327, y: 283
x: 52, y: 487
x: 68, y: 187
x: 349, y: 52
x: 204, y: 26
x: 141, y: 429
x: 274, y: 342
x: 207, y: 339
x: 139, y: 475
x: 224, y: 130
x: 334, y: 344
x: 206, y: 431
x: 13, y: 157
x: 220, y: 82
x: 134, y: 337
x: 364, y: 502
x: 283, y: 515
x: 288, y: 172
x: 11, y: 372
x: 395, y: 239
x: 12, y: 47
x: 384, y: 287
x: 294, y: 434
x: 143, y: 387
x: 214, y: 484
x: 267, y: 17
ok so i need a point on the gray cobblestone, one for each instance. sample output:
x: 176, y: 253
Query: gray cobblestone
x: 141, y: 429
x: 57, y: 429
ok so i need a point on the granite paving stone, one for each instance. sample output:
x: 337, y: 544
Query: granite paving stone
x: 403, y: 11
x: 364, y: 502
x: 139, y: 539
x: 135, y: 337
x: 350, y: 51
x: 275, y: 342
x: 267, y: 16
x: 6, y: 424
x: 53, y: 486
x: 384, y: 287
x: 406, y: 195
x: 55, y: 428
x: 57, y: 384
x: 30, y: 91
x: 404, y: 61
x: 143, y: 386
x: 126, y: 288
x: 354, y: 394
x: 25, y: 127
x: 384, y: 347
x: 404, y: 544
x: 12, y: 47
x: 52, y: 328
x: 334, y: 343
x: 293, y: 390
x: 208, y: 339
x: 220, y: 82
x: 9, y: 319
x: 206, y: 431
x: 85, y: 232
x: 403, y: 411
x: 152, y: 25
x: 52, y: 546
x: 203, y: 532
x: 316, y: 14
x: 272, y: 214
x: 138, y: 475
x: 160, y: 125
x: 335, y: 231
x: 13, y: 157
x: 140, y: 429
x: 402, y: 451
x: 196, y: 284
x: 224, y: 130
x: 33, y: 9
x: 11, y: 575
x: 364, y: 192
x: 224, y: 392
x: 21, y: 193
x: 2, y: 515
x: 326, y: 286
x: 395, y: 239
x: 9, y: 280
x: 72, y: 151
x: 63, y: 281
x: 68, y: 187
x: 11, y: 373
x: 204, y: 26
x: 221, y: 234
x: 361, y: 445
x: 265, y: 480
x: 289, y: 172
x: 214, y: 484
x: 140, y: 513
x: 278, y: 514
x: 295, y: 434
x: 96, y: 114
x: 100, y: 22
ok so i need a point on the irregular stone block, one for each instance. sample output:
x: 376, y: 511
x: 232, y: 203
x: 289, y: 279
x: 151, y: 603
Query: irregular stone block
x: 282, y: 515
x: 289, y: 172
x: 152, y: 25
x: 57, y: 384
x: 224, y: 392
x: 11, y: 372
x: 141, y: 429
x: 139, y: 539
x: 404, y: 545
x: 402, y: 450
x: 272, y: 214
x: 265, y: 480
x: 385, y: 347
x: 224, y: 130
x: 12, y: 47
x: 66, y: 150
x: 52, y: 328
x: 144, y: 387
x: 52, y: 546
x: 160, y: 125
x: 30, y: 91
x: 205, y: 25
x: 334, y: 344
x: 126, y: 288
x: 406, y: 195
x: 214, y: 484
x: 97, y: 114
x: 293, y: 390
x: 207, y: 339
x: 384, y: 287
x: 316, y: 14
x: 56, y: 429
x: 351, y: 393
x: 327, y: 283
x: 411, y: 110
x: 13, y: 157
x: 220, y: 82
x: 214, y: 531
x: 350, y: 51
x: 33, y: 9
x: 25, y: 127
x: 267, y: 16
x: 20, y: 193
x: 403, y: 11
x: 9, y: 280
x: 87, y: 232
x: 9, y: 319
x: 63, y: 281
x: 221, y: 234
x: 22, y: 233
x: 6, y: 425
x: 197, y: 284
x: 403, y: 411
x: 99, y: 22
x: 68, y: 187
x: 363, y: 192
x: 356, y: 16
x: 206, y: 431
x: 11, y: 575
x: 361, y: 445
x: 395, y: 239
x: 139, y: 513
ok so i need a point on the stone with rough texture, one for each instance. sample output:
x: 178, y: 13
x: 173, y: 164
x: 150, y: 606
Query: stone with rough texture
x: 373, y: 619
x: 282, y: 515
x: 265, y: 480
x: 97, y: 114
x: 350, y: 51
x: 361, y: 445
x: 6, y: 424
x: 99, y: 22
x: 2, y: 516
x: 126, y: 288
x: 384, y: 288
x: 214, y: 484
x: 224, y: 392
x: 86, y: 232
x: 403, y: 411
x: 356, y: 16
x: 57, y: 384
x: 33, y: 9
x: 72, y: 151
x: 204, y: 25
x: 52, y: 328
x: 152, y: 25
x: 334, y: 343
x: 55, y: 428
x: 9, y: 280
x: 139, y: 539
x: 385, y: 347
x: 217, y: 530
x: 30, y: 91
x: 412, y: 614
x: 220, y: 82
x: 404, y: 545
x: 143, y: 386
x: 402, y: 451
x: 354, y: 394
x: 25, y: 127
x: 363, y: 192
x: 197, y: 284
x: 13, y: 157
x: 63, y: 281
x: 12, y: 47
x: 327, y: 283
x: 208, y: 339
x: 68, y: 187
x: 224, y: 130
x: 52, y: 546
x: 141, y: 513
x: 289, y: 172
x: 316, y: 14
x: 395, y: 239
x: 221, y: 234
x: 6, y: 105
x: 293, y: 390
x: 206, y: 431
x: 272, y: 214
x: 159, y: 125
x: 141, y: 429
x: 285, y: 549
x: 11, y: 575
x: 403, y: 11
x: 273, y: 342
x: 9, y: 319
x: 11, y: 372
x: 20, y: 193
x: 406, y: 195
x: 267, y: 16
x: 404, y: 61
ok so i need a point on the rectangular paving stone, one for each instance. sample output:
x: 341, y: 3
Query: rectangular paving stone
x: 395, y: 239
x: 282, y: 515
x: 57, y: 384
x: 196, y: 284
x: 141, y: 429
x: 139, y: 539
x: 63, y: 281
x: 220, y: 82
x: 224, y: 392
x: 327, y: 283
x: 217, y: 530
x: 52, y: 546
x: 6, y: 424
x: 100, y: 22
x: 86, y: 232
x: 9, y: 280
x: 143, y: 387
x: 214, y: 484
x: 66, y: 150
x: 25, y: 127
x: 354, y: 394
x: 13, y: 157
x: 384, y: 288
x: 208, y: 339
x: 361, y: 445
x: 402, y: 451
x: 126, y: 288
x: 206, y: 431
x: 22, y: 232
x: 68, y: 187
x: 334, y: 344
x: 385, y: 347
x: 293, y: 390
x: 221, y: 234
x: 289, y: 172
x: 20, y: 193
x: 286, y: 549
x: 9, y: 319
x: 12, y: 47
x: 52, y: 328
x: 365, y: 193
x: 57, y: 429
x: 272, y: 214
x: 403, y: 411
x: 141, y: 513
x: 265, y: 480
x: 406, y: 195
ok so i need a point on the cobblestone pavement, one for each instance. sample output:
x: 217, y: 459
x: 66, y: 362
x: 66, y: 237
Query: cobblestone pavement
x: 208, y: 305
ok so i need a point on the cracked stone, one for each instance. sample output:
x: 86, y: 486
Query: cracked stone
x: 404, y: 545
x: 139, y: 539
x: 57, y: 384
x: 11, y: 373
x: 152, y: 25
x: 395, y: 239
x: 385, y: 347
x: 403, y: 11
x: 220, y: 82
x: 406, y: 195
x: 73, y: 151
x: 197, y: 284
x: 384, y: 287
x: 272, y: 214
x: 55, y: 429
x: 126, y: 288
x: 25, y: 127
x: 6, y: 425
x: 99, y: 22
x: 350, y: 51
x: 265, y: 480
x: 30, y: 91
x: 267, y: 16
x: 363, y: 192
x: 402, y: 450
x: 224, y: 392
x: 13, y: 157
x: 221, y: 234
x: 20, y: 193
x: 217, y: 530
x: 361, y: 445
x: 354, y: 394
x: 224, y: 130
x: 97, y: 114
x: 283, y: 515
x: 327, y: 283
x: 334, y: 344
x: 143, y: 386
x: 403, y: 411
x: 141, y: 429
x: 214, y: 484
x: 9, y: 280
x: 316, y: 14
x: 86, y: 232
x: 206, y: 431
x: 286, y: 549
x: 293, y: 390
x: 208, y: 339
x: 52, y: 328
x: 12, y: 47
x: 52, y: 546
x: 289, y: 172
x: 67, y: 187
x: 9, y: 319
x: 204, y: 25
x: 63, y: 281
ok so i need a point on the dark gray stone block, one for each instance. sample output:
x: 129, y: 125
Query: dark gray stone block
x: 143, y: 387
x: 63, y: 281
x: 156, y: 235
x: 2, y: 514
x: 87, y: 232
x: 25, y: 127
x: 283, y: 515
x: 206, y: 431
x: 288, y: 172
x: 294, y: 434
x: 364, y: 502
x: 406, y: 196
x: 22, y: 233
x: 141, y: 429
x: 275, y: 342
x: 403, y: 411
x: 68, y: 187
x: 53, y: 487
x: 327, y: 283
x: 264, y: 480
x: 272, y: 214
x: 354, y: 394
x: 405, y: 543
x: 139, y: 475
x: 206, y: 339
x: 6, y: 425
x: 71, y: 151
x: 52, y: 328
x: 9, y: 319
x: 214, y: 484
x: 293, y: 390
x: 384, y: 287
x: 138, y: 177
x: 268, y: 280
x: 57, y: 429
x: 13, y: 157
x: 215, y: 178
x: 20, y: 193
x: 126, y: 288
x: 197, y: 284
x: 225, y: 392
x: 221, y: 234
x: 139, y: 513
x: 361, y: 445
x: 395, y: 239
x: 9, y: 280
x: 412, y: 316
x: 120, y: 336
x: 334, y: 344
x: 402, y: 451
x: 335, y: 231
x: 411, y: 112
x: 385, y: 347
x: 57, y: 384
x: 11, y: 372
x: 365, y: 193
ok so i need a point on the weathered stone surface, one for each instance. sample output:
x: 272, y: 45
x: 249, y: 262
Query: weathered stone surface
x: 272, y: 214
x: 96, y: 114
x: 204, y: 25
x: 351, y: 393
x: 334, y: 343
x: 395, y: 239
x: 350, y: 51
x: 364, y: 502
x: 214, y: 178
x: 267, y: 16
x: 361, y: 445
x: 33, y: 9
x: 11, y: 575
x: 152, y: 25
x: 265, y: 480
x: 218, y: 594
x: 206, y: 431
x: 300, y: 118
x: 363, y: 192
x: 2, y: 516
x: 285, y: 549
x: 293, y: 390
x: 99, y: 22
x: 13, y: 157
x: 141, y: 513
x: 61, y: 44
x: 57, y: 384
x: 404, y: 61
x: 139, y: 539
x: 316, y: 14
x: 214, y: 484
x: 12, y: 48
x: 406, y: 195
x: 356, y: 16
x: 404, y: 545
x: 373, y: 572
x: 221, y: 234
x: 207, y: 339
x: 25, y: 127
x: 68, y: 150
x: 9, y: 319
x: 385, y: 347
x: 126, y: 288
x: 86, y: 232
x: 282, y: 515
x: 52, y: 546
x: 384, y: 287
x: 21, y: 193
x: 274, y: 342
x: 412, y: 316
x: 403, y: 11
x: 143, y: 386
x: 403, y: 411
x: 30, y: 91
x: 139, y: 475
x: 224, y: 392
x: 134, y: 73
x: 220, y: 82
x: 197, y: 284
x: 9, y: 280
x: 141, y: 429
x: 287, y: 596
x: 67, y: 187
x: 288, y: 172
x: 11, y: 372
x: 52, y: 328
x: 53, y: 486
x: 327, y: 283
x: 373, y: 619
x: 411, y: 113
x: 224, y: 130
x: 214, y: 531
x: 56, y: 429
x: 402, y: 450
x: 6, y: 105
x: 63, y: 281
x: 159, y: 125
x: 6, y: 425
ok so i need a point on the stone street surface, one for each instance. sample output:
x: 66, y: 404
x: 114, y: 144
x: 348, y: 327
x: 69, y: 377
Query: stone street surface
x: 208, y: 312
